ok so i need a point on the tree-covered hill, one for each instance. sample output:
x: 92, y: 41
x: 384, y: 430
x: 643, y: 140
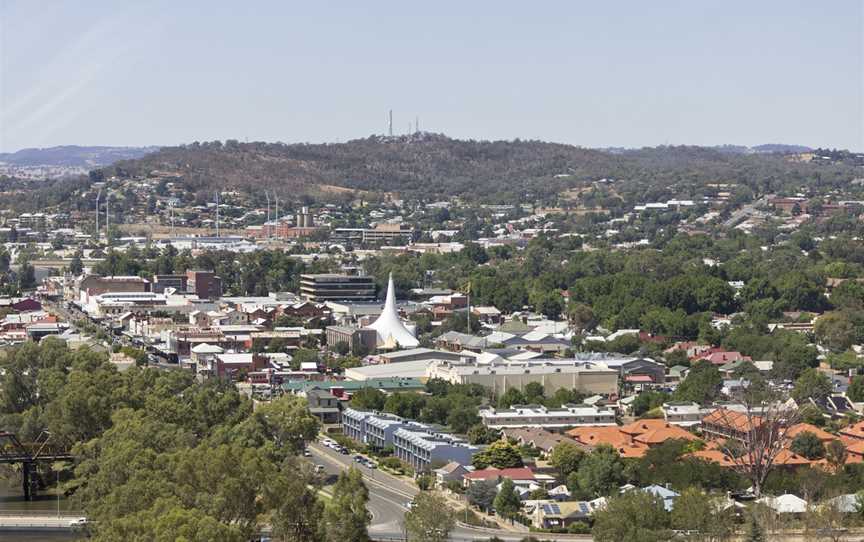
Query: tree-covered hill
x: 434, y: 166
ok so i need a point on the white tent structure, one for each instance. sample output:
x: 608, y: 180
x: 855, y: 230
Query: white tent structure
x: 392, y: 332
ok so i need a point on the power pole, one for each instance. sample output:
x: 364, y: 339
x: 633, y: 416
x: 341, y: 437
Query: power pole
x: 267, y: 227
x: 108, y: 218
x: 98, y: 197
x: 277, y: 213
x: 217, y: 213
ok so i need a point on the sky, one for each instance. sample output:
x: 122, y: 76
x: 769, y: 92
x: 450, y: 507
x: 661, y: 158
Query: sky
x: 596, y: 74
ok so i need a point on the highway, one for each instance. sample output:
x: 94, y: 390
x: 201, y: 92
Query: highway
x: 389, y: 495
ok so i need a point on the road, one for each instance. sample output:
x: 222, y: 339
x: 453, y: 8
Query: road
x: 388, y: 497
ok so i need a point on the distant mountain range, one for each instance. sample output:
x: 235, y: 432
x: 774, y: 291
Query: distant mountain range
x: 73, y: 156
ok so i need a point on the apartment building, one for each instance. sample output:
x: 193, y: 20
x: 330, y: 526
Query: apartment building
x: 422, y: 448
x: 540, y: 416
x: 416, y: 443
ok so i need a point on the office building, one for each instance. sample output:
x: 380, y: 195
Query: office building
x: 333, y: 287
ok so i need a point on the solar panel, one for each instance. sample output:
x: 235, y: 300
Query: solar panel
x: 551, y: 509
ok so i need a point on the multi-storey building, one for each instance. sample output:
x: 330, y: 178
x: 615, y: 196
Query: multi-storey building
x: 422, y: 447
x: 546, y: 418
x: 204, y: 284
x: 333, y: 287
x: 417, y: 444
x: 590, y: 377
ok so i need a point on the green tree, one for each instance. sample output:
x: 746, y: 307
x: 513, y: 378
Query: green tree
x: 76, y: 266
x: 811, y: 384
x: 507, y: 503
x: 566, y: 458
x: 482, y: 493
x: 856, y: 389
x: 648, y: 400
x: 702, y: 384
x: 368, y: 399
x: 636, y: 515
x: 600, y: 472
x: 697, y: 514
x: 480, y: 434
x: 430, y: 519
x: 500, y: 454
x: 838, y: 330
x: 511, y: 397
x: 462, y: 418
x: 345, y: 516
x: 808, y: 445
x: 287, y: 423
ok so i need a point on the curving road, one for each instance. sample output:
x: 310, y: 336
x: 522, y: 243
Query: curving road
x: 388, y: 498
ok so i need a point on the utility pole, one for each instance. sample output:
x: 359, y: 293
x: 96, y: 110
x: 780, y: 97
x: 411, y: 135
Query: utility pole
x: 277, y: 213
x: 217, y: 213
x: 171, y: 209
x: 108, y: 218
x: 98, y: 197
x: 267, y: 227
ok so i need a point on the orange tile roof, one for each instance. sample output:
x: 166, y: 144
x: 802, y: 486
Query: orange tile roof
x: 593, y: 436
x: 799, y: 428
x: 730, y: 418
x: 662, y: 434
x: 854, y: 431
x: 784, y: 457
x: 631, y: 440
x: 856, y: 448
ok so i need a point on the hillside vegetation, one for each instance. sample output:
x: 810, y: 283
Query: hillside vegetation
x: 430, y: 166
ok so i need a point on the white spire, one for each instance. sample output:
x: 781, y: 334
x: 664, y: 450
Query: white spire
x: 389, y: 326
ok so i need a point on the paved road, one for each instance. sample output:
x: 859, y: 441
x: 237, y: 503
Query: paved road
x: 388, y: 497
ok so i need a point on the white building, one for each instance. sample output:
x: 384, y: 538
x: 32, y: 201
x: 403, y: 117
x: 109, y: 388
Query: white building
x: 546, y: 418
x: 392, y: 332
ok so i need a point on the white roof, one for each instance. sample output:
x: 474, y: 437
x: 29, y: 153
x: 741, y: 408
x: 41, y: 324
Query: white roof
x: 785, y: 504
x: 389, y: 326
x: 205, y: 348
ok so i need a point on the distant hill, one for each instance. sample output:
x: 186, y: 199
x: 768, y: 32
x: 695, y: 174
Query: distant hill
x: 433, y: 166
x: 769, y: 148
x: 74, y: 156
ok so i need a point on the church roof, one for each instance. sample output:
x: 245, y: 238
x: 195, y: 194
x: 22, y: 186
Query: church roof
x: 389, y: 326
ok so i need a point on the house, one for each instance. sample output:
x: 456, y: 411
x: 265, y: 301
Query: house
x: 521, y: 476
x: 721, y: 357
x: 682, y: 414
x: 543, y: 440
x: 667, y: 495
x: 632, y: 440
x: 451, y: 472
x: 560, y: 515
x: 323, y: 405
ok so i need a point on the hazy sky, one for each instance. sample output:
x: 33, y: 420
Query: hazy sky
x: 611, y: 73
